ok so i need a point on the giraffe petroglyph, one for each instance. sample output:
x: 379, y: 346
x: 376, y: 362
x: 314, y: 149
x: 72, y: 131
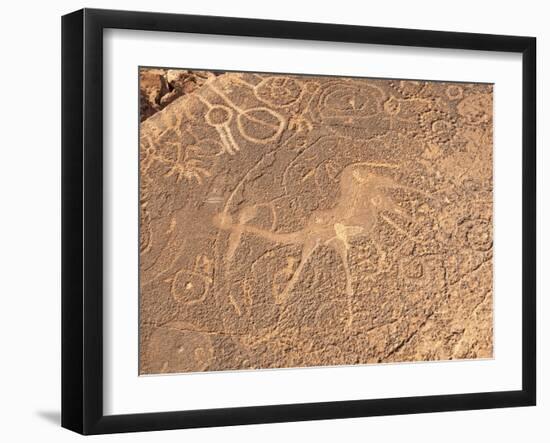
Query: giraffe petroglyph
x: 362, y: 198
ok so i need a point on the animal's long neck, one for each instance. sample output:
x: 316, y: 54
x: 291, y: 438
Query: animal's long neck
x: 287, y: 238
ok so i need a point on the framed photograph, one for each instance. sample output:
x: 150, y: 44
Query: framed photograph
x: 270, y: 221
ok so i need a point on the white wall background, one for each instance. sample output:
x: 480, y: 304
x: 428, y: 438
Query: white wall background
x: 30, y: 219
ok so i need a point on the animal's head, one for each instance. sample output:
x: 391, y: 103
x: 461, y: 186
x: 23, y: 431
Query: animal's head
x: 364, y: 175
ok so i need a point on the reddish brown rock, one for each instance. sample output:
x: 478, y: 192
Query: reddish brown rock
x: 160, y: 87
x: 294, y: 221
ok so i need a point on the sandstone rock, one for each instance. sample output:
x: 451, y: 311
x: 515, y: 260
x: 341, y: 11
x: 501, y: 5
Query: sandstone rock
x: 306, y: 221
x: 160, y: 87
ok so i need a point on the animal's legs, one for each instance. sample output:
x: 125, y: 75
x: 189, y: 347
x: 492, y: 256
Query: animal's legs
x: 307, y: 250
x: 340, y: 247
x: 246, y: 215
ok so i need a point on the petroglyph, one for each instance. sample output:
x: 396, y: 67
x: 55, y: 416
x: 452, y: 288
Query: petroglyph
x: 362, y: 197
x: 258, y: 124
x: 291, y: 221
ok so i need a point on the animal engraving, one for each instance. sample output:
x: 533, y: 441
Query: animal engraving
x: 306, y: 220
x: 362, y: 197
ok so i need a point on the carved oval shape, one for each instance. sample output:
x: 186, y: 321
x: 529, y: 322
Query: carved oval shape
x: 260, y: 125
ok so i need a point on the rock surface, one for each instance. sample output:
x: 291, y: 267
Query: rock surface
x: 291, y: 221
x: 160, y: 87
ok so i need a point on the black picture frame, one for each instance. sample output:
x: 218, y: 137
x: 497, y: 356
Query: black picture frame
x: 82, y: 215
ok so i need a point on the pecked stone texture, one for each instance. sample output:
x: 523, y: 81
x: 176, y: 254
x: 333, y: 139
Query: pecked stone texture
x: 290, y: 221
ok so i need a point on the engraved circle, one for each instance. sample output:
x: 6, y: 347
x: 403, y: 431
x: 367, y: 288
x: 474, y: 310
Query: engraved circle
x: 278, y: 91
x: 218, y: 115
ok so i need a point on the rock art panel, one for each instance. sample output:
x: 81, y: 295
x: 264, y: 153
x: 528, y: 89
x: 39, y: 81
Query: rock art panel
x: 291, y: 221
